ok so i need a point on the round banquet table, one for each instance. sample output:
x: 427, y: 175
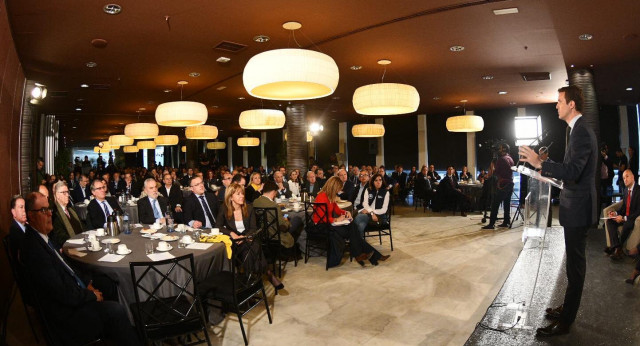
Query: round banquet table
x: 207, y: 262
x: 131, y: 210
x: 473, y: 191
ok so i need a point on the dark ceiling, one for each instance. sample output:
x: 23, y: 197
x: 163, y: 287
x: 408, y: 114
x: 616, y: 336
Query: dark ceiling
x: 151, y: 45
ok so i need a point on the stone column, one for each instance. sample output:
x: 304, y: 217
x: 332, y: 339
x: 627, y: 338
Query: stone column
x: 296, y: 137
x: 342, y: 143
x: 624, y: 129
x: 471, y: 152
x: 230, y: 145
x: 423, y: 149
x: 380, y: 154
x: 263, y: 143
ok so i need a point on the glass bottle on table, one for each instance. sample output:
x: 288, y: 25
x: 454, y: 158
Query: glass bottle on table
x: 126, y: 227
x: 169, y: 218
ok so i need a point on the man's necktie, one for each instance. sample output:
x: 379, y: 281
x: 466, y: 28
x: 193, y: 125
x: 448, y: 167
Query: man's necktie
x: 205, y: 206
x: 628, y: 202
x: 567, y: 136
x: 73, y: 274
x: 106, y: 209
x: 156, y: 209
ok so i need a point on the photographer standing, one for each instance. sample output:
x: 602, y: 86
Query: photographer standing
x: 504, y: 188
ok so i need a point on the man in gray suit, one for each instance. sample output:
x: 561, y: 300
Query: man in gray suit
x: 578, y: 201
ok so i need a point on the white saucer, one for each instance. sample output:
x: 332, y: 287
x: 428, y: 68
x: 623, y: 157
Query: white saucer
x: 94, y: 250
x: 285, y: 210
x: 110, y: 241
x: 189, y: 243
x: 170, y: 238
x: 168, y: 249
x: 124, y: 253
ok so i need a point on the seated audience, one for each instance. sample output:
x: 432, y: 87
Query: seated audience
x: 294, y: 183
x: 18, y: 225
x: 131, y: 187
x: 464, y: 174
x: 152, y: 206
x: 289, y: 229
x: 423, y: 188
x: 226, y: 181
x: 200, y: 206
x: 624, y: 217
x: 66, y: 223
x: 117, y: 185
x: 449, y: 191
x: 174, y: 194
x: 375, y: 205
x: 254, y: 190
x: 311, y: 185
x: 346, y: 192
x: 101, y: 206
x: 320, y: 178
x: 283, y: 188
x: 360, y: 192
x: 81, y: 191
x: 433, y: 176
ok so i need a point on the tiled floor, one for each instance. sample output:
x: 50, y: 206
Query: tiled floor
x: 441, y: 277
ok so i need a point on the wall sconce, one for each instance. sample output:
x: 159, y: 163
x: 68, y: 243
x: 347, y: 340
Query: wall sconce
x: 38, y: 93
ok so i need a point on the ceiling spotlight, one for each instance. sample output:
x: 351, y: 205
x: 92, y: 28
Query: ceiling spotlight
x: 315, y: 128
x: 503, y: 11
x: 241, y: 98
x: 629, y: 89
x: 585, y: 37
x: 487, y: 77
x: 456, y: 48
x: 84, y: 85
x: 112, y: 9
x: 223, y: 59
x: 214, y: 106
x: 436, y: 98
x: 336, y: 97
x: 74, y: 127
x: 167, y: 90
x: 261, y: 38
x: 142, y: 109
x: 222, y: 87
x: 464, y: 101
x: 194, y: 74
x: 38, y: 93
x: 512, y: 103
x: 572, y: 65
x: 502, y: 92
x: 78, y: 109
x: 356, y: 67
x: 91, y: 64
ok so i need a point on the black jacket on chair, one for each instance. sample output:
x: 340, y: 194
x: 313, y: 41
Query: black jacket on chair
x: 145, y: 210
x: 95, y: 213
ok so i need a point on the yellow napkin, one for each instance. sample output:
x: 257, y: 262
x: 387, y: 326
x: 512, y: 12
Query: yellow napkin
x: 220, y: 238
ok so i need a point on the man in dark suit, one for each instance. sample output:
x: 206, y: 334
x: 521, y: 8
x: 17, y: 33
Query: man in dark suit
x: 82, y: 190
x: 200, y: 207
x: 400, y: 177
x: 66, y: 222
x: 226, y: 181
x: 359, y: 193
x: 187, y: 177
x: 131, y: 186
x: 625, y: 216
x: 101, y: 206
x: 76, y: 310
x: 289, y: 228
x: 311, y: 184
x: 174, y: 194
x: 449, y: 190
x: 283, y: 189
x: 347, y: 186
x: 152, y: 207
x: 116, y: 185
x: 18, y: 225
x: 578, y: 201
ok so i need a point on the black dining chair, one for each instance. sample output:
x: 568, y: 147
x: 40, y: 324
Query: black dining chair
x: 167, y: 303
x: 317, y: 233
x: 267, y: 219
x: 381, y: 228
x: 241, y: 289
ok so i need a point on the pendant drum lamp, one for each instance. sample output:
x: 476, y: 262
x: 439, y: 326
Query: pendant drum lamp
x: 181, y: 113
x: 386, y: 98
x: 465, y: 123
x: 146, y: 145
x: 108, y: 146
x: 291, y: 73
x: 130, y: 149
x: 120, y: 140
x: 367, y: 130
x: 201, y: 132
x: 183, y: 149
x: 262, y: 119
x: 248, y: 141
x: 101, y: 150
x: 141, y: 130
x: 166, y: 140
x: 216, y: 145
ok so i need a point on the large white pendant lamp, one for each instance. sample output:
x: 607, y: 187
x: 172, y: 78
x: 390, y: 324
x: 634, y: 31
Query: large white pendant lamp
x: 248, y: 141
x: 108, y: 145
x: 465, y: 123
x: 181, y: 113
x: 130, y: 149
x: 262, y: 119
x: 216, y: 145
x: 120, y: 140
x: 367, y: 130
x: 146, y: 145
x: 201, y: 132
x: 291, y: 73
x: 386, y: 98
x: 166, y: 140
x: 141, y: 130
x: 100, y: 150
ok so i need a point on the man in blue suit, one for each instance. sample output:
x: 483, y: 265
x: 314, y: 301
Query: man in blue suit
x: 578, y: 201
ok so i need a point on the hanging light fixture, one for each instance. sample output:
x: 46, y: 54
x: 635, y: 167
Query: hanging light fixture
x: 290, y: 74
x: 386, y: 98
x: 367, y: 130
x: 465, y: 123
x: 38, y: 93
x: 262, y: 119
x: 130, y: 149
x: 216, y: 145
x: 248, y: 141
x: 108, y: 146
x: 166, y: 140
x: 181, y: 113
x: 183, y: 149
x: 141, y: 130
x: 201, y: 132
x: 100, y: 150
x: 120, y: 140
x: 146, y: 145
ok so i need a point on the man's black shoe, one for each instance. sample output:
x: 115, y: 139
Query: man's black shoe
x: 503, y: 225
x: 555, y: 328
x: 554, y: 313
x: 489, y: 226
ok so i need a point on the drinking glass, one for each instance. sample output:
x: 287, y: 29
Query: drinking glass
x: 196, y: 234
x: 149, y: 247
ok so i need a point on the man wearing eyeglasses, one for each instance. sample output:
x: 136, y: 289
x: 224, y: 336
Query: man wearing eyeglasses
x: 226, y: 181
x: 66, y: 222
x: 312, y: 186
x: 76, y: 310
x: 101, y: 206
x: 360, y: 191
x: 151, y: 208
x: 201, y: 207
x: 81, y: 191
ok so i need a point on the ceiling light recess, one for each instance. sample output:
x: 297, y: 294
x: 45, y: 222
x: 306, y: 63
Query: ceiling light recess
x: 262, y: 119
x: 112, y: 9
x: 367, y: 130
x: 503, y: 11
x: 201, y: 132
x: 141, y: 130
x: 248, y: 141
x: 290, y: 74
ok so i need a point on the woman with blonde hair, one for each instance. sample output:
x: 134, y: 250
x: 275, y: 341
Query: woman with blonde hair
x: 236, y: 220
x: 254, y: 190
x: 360, y: 249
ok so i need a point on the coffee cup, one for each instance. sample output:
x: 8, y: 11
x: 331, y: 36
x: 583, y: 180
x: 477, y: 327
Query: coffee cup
x: 95, y: 245
x: 187, y: 239
x: 180, y: 227
x: 215, y: 231
x: 100, y: 232
x: 91, y: 237
x: 163, y: 245
x: 122, y: 249
x: 296, y: 205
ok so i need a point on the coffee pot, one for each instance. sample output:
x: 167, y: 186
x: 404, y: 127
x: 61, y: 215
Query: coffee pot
x: 112, y: 225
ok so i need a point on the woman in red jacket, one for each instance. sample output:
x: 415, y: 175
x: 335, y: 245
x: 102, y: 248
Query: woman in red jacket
x: 359, y: 248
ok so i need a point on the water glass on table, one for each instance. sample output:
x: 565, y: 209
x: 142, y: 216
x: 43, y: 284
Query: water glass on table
x: 149, y: 247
